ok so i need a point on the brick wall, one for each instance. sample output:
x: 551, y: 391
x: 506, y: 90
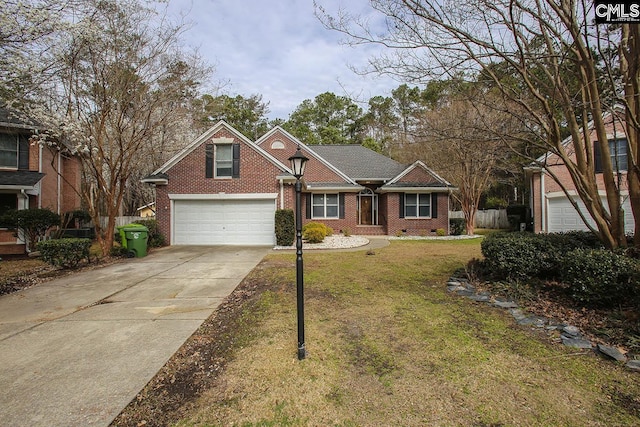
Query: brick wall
x: 257, y: 175
x: 416, y: 226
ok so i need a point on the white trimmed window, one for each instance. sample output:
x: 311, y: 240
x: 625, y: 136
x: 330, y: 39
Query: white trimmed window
x: 325, y: 206
x: 417, y: 205
x: 223, y: 160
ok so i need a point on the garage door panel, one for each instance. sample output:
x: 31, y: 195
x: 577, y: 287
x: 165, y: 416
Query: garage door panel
x: 224, y: 222
x: 564, y: 217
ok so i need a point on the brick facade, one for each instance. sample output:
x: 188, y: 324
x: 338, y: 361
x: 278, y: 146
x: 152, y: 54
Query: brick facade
x: 58, y: 190
x: 543, y: 185
x: 264, y: 170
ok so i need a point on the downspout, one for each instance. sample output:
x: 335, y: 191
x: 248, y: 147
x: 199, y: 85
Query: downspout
x: 59, y: 182
x: 40, y: 170
x: 544, y: 205
x: 281, y: 193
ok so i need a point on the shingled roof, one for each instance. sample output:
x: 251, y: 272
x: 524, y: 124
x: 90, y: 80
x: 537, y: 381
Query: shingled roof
x: 358, y: 162
x: 20, y: 179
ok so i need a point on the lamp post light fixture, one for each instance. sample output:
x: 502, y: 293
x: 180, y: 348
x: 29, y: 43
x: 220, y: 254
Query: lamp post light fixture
x: 298, y: 162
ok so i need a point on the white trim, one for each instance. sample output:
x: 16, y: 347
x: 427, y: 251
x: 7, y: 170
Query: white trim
x: 415, y: 190
x: 224, y: 196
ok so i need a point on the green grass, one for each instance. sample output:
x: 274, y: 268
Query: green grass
x: 389, y: 346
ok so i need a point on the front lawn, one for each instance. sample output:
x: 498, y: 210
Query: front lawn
x: 387, y: 346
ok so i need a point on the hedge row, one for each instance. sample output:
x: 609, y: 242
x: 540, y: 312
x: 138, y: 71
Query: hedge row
x: 66, y: 253
x: 594, y: 276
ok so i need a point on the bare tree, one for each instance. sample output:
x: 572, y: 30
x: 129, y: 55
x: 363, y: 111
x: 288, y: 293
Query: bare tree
x: 556, y: 69
x: 463, y: 143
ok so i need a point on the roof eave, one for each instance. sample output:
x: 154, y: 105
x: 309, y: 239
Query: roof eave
x: 413, y: 189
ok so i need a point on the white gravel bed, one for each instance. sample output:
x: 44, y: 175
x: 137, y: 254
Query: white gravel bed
x: 337, y: 241
x: 460, y: 237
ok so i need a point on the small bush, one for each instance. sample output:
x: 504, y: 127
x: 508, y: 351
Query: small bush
x: 440, y: 232
x: 346, y: 232
x: 155, y: 238
x: 314, y: 232
x: 457, y: 225
x: 65, y: 253
x: 599, y: 277
x: 285, y: 227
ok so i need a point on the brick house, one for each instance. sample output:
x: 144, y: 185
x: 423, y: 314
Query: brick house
x: 29, y: 177
x: 550, y: 208
x: 224, y: 189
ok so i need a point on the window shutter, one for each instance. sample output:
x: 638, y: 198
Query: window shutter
x: 434, y: 205
x: 597, y: 157
x: 308, y: 197
x: 401, y: 196
x: 208, y: 163
x: 23, y: 153
x: 236, y: 161
x: 341, y: 205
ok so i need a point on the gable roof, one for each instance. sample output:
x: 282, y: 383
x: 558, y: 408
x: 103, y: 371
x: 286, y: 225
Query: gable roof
x: 160, y: 173
x: 398, y: 183
x: 360, y: 163
x: 311, y: 151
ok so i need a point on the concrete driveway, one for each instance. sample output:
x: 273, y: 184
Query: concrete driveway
x: 76, y: 350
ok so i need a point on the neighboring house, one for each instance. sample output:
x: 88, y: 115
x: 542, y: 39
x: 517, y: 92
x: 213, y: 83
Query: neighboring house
x: 29, y: 177
x: 551, y: 209
x: 224, y: 189
x: 147, y: 211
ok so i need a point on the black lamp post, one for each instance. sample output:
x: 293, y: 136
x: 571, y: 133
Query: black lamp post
x: 298, y: 162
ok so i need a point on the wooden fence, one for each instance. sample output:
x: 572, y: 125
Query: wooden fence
x: 489, y: 218
x: 121, y: 220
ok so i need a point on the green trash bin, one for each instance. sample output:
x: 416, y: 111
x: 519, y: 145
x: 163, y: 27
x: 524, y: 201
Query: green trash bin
x: 134, y: 239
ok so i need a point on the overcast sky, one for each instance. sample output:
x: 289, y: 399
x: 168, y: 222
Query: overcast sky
x: 279, y: 49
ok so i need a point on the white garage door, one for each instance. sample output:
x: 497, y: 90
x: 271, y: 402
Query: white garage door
x: 563, y: 216
x: 224, y: 222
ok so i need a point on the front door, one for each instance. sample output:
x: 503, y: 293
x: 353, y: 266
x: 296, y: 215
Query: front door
x: 366, y: 210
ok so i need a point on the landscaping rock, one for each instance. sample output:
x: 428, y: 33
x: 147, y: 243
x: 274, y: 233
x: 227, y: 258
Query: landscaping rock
x: 612, y: 352
x: 571, y: 331
x: 505, y: 304
x: 634, y: 365
x: 536, y: 321
x: 575, y: 342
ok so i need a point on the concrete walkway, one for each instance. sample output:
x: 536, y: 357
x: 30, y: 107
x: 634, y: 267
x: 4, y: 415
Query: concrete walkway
x: 76, y: 350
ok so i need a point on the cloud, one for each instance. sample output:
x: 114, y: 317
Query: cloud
x: 278, y: 49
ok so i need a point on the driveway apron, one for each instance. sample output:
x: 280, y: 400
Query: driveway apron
x: 76, y: 350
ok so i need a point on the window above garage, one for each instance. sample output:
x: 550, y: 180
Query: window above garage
x: 222, y: 160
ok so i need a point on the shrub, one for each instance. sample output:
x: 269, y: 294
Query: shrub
x: 66, y: 253
x: 346, y: 232
x: 34, y: 223
x: 599, y: 277
x: 155, y: 238
x: 515, y: 256
x: 314, y: 232
x: 457, y: 225
x: 440, y: 232
x: 285, y: 227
